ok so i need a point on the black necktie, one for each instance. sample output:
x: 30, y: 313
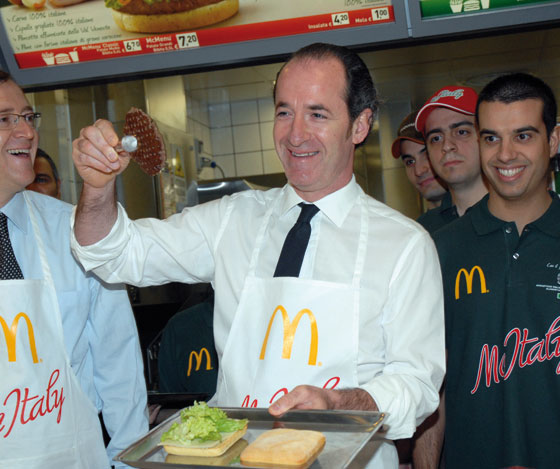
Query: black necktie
x: 291, y: 256
x: 9, y: 268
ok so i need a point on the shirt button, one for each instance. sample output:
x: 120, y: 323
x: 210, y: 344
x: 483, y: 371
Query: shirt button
x: 516, y: 256
x: 508, y: 230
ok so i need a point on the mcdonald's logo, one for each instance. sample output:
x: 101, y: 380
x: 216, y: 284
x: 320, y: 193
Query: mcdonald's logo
x: 290, y: 331
x: 10, y: 334
x: 198, y: 357
x: 469, y: 280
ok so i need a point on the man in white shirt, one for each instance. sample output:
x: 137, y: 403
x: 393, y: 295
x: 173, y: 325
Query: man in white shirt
x: 71, y: 347
x: 369, y: 288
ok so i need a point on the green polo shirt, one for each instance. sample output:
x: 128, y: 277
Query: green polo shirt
x: 502, y: 313
x: 187, y: 361
x: 438, y: 217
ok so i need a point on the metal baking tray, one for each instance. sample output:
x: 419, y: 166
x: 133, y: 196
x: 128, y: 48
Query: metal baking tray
x: 346, y: 434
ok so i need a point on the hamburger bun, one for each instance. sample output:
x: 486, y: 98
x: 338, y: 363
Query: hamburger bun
x: 223, y: 460
x: 205, y: 448
x: 284, y: 448
x: 140, y: 16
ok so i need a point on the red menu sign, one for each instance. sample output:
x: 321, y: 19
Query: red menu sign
x: 90, y: 30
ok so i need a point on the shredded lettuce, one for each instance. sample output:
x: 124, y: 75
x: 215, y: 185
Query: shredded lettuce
x: 201, y: 423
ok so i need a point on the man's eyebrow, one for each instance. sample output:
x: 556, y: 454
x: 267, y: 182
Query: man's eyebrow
x: 311, y: 107
x: 487, y: 132
x: 459, y: 124
x: 317, y: 107
x: 7, y: 110
x: 528, y: 128
x: 433, y: 131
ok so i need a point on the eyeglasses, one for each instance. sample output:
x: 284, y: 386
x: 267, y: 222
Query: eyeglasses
x: 10, y: 121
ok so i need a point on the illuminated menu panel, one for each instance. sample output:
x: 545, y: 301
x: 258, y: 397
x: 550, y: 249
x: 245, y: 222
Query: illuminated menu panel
x: 87, y: 31
x: 435, y: 8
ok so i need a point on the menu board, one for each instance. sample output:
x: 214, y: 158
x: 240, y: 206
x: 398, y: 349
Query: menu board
x: 90, y: 31
x: 434, y: 8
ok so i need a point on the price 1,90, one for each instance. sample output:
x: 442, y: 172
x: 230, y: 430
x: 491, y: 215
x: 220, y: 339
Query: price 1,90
x: 187, y: 40
x: 339, y: 19
x: 380, y: 14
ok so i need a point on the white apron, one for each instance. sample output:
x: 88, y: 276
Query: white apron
x: 46, y: 420
x: 289, y: 331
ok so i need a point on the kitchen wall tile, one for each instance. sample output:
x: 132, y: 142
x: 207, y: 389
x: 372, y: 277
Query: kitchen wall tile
x: 272, y: 163
x: 266, y: 109
x: 246, y: 138
x: 244, y: 112
x: 249, y: 164
x: 219, y: 115
x: 266, y: 135
x: 222, y: 141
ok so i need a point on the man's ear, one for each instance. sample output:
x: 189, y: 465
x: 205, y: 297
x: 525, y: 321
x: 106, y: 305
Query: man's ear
x: 554, y: 140
x: 361, y: 126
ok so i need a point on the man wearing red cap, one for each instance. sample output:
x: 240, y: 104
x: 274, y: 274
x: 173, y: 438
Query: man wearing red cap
x: 447, y: 122
x: 410, y: 146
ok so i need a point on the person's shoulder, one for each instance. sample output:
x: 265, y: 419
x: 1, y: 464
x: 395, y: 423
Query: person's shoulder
x: 432, y: 220
x: 380, y: 212
x: 49, y: 206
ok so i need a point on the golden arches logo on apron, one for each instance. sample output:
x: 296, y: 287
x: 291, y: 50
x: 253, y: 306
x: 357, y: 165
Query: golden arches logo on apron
x: 198, y: 360
x: 290, y: 328
x: 10, y: 334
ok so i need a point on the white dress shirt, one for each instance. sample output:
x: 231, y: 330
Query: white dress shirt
x: 100, y: 334
x: 401, y: 355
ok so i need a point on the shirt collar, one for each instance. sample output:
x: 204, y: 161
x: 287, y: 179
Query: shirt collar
x: 16, y: 211
x: 447, y: 203
x: 484, y: 222
x: 334, y: 206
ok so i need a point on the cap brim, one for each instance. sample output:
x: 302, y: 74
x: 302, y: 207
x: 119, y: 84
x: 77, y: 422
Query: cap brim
x: 423, y: 114
x: 396, y: 147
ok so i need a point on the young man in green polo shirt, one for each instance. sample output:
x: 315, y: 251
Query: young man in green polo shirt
x: 501, y: 272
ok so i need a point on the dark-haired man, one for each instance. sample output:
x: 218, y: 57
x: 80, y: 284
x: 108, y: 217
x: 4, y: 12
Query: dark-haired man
x: 71, y: 346
x: 447, y: 122
x: 501, y: 265
x: 328, y: 332
x: 47, y: 180
x: 411, y: 148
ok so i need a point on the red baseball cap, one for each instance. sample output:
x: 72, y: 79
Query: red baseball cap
x: 407, y: 131
x: 457, y: 98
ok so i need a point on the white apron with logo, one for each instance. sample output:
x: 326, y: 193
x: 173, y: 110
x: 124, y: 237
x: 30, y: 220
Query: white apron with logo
x: 46, y: 420
x: 289, y: 331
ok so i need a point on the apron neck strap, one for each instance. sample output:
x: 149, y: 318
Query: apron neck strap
x: 39, y: 240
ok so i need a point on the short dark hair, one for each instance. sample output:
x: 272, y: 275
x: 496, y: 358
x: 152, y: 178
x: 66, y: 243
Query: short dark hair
x: 360, y: 91
x: 44, y: 154
x: 519, y: 87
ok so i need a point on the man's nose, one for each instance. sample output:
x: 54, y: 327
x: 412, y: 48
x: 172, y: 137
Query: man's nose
x: 506, y: 151
x: 421, y: 167
x: 23, y: 128
x: 449, y: 144
x: 298, y: 132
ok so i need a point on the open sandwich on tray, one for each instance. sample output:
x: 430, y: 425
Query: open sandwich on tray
x: 202, y: 431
